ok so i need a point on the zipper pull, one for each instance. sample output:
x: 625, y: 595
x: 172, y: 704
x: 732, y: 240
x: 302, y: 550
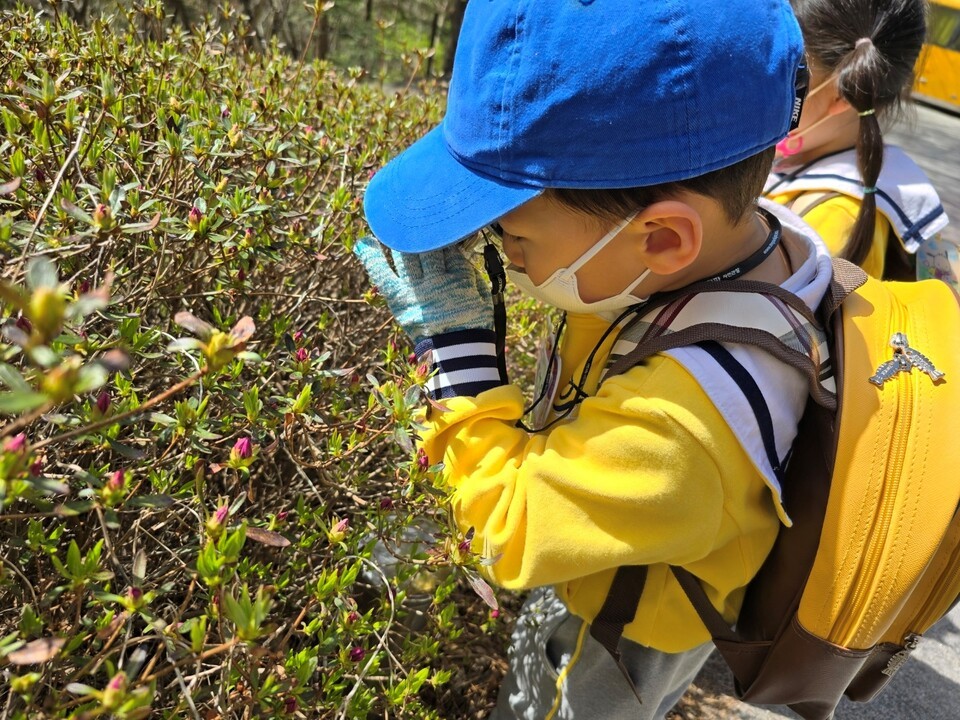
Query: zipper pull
x: 910, y: 643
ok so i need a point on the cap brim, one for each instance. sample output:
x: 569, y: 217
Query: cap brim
x: 425, y: 199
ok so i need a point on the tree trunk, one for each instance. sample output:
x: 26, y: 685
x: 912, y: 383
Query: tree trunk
x: 456, y: 20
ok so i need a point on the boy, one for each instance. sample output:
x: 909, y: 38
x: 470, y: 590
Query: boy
x: 618, y: 149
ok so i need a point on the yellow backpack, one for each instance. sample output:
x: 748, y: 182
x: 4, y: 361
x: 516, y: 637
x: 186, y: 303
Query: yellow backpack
x: 873, y: 487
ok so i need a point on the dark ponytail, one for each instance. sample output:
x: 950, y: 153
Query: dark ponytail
x: 871, y: 46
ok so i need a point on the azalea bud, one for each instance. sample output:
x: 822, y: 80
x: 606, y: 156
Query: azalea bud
x: 357, y: 654
x: 241, y: 275
x: 242, y: 449
x: 84, y: 287
x: 194, y: 218
x: 116, y: 480
x: 464, y: 546
x: 412, y: 358
x: 386, y: 503
x: 339, y: 531
x: 24, y: 324
x: 46, y: 309
x: 134, y: 599
x: 103, y: 402
x: 114, y: 488
x: 302, y: 355
x: 15, y: 444
x: 290, y: 705
x: 102, y: 217
x: 282, y: 516
x: 115, y: 691
x: 217, y: 521
x: 423, y: 462
x: 494, y: 614
x: 298, y: 336
x: 36, y: 467
x: 352, y: 617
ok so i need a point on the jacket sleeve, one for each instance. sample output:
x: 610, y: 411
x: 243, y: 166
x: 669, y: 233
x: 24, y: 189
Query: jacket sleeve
x: 634, y: 479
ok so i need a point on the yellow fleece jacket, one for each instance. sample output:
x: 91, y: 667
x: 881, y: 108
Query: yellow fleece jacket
x: 648, y: 472
x: 834, y: 218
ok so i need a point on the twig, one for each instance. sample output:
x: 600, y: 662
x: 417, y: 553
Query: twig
x: 383, y: 638
x: 53, y: 189
x: 210, y: 652
x: 123, y: 416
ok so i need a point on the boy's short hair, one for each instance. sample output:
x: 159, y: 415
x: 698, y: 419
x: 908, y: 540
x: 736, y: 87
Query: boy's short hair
x: 587, y: 94
x: 736, y: 188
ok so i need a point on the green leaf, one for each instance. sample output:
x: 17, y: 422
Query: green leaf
x: 131, y: 453
x: 12, y: 378
x: 143, y: 227
x: 21, y: 401
x: 90, y: 378
x: 76, y: 213
x: 10, y: 187
x: 74, y: 507
x: 150, y: 501
x: 41, y: 273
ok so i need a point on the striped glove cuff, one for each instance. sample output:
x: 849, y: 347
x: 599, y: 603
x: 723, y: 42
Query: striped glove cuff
x: 465, y: 362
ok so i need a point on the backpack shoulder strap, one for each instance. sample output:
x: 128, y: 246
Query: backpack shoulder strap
x: 807, y: 201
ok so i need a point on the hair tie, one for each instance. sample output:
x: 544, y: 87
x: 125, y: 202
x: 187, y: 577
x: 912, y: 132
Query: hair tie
x: 869, y: 190
x: 871, y: 111
x: 863, y: 41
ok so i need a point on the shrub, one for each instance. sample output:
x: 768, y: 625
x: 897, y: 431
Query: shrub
x: 210, y: 505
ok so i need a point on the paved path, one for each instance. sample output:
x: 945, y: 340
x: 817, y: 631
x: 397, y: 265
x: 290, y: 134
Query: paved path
x: 927, y: 687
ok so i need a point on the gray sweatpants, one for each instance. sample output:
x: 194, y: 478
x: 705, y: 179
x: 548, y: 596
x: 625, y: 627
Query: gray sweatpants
x: 547, y: 682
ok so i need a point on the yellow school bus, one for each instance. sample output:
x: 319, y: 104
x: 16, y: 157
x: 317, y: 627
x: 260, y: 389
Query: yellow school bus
x: 938, y: 69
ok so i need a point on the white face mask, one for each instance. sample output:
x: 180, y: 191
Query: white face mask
x: 560, y: 289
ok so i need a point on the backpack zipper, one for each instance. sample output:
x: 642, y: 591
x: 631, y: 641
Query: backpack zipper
x: 849, y: 625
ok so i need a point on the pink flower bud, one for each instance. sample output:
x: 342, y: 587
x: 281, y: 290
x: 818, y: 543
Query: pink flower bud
x: 103, y: 402
x: 241, y: 275
x: 386, y: 503
x: 342, y: 526
x: 84, y: 287
x: 494, y: 614
x: 302, y: 355
x: 36, y: 467
x: 423, y: 462
x: 102, y: 215
x: 290, y: 705
x: 352, y: 617
x: 135, y: 594
x: 23, y: 323
x: 282, y: 516
x: 412, y: 358
x: 115, y: 482
x: 464, y: 546
x: 194, y: 218
x: 15, y: 444
x: 221, y: 515
x: 242, y: 448
x: 298, y: 337
x: 117, y: 682
x: 357, y: 654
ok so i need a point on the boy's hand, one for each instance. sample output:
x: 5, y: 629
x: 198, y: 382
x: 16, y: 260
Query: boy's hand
x: 429, y: 293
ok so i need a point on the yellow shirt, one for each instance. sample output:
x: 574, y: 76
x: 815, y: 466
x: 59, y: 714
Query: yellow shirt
x: 647, y: 473
x: 834, y: 218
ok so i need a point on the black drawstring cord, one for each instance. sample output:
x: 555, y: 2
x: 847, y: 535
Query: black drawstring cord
x: 498, y: 282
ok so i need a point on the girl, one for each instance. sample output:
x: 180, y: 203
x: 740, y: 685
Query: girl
x: 869, y: 201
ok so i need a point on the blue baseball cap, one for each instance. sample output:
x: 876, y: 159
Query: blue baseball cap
x: 589, y: 94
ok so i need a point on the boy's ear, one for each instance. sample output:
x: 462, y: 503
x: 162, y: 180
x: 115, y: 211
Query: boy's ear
x: 674, y: 235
